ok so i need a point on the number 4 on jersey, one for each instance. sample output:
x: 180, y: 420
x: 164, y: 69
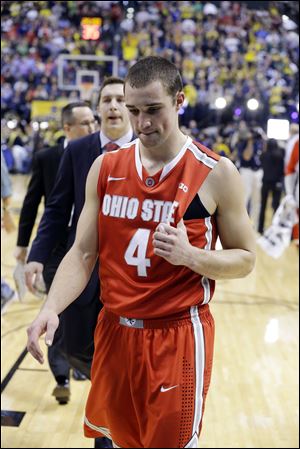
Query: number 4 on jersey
x: 138, y: 245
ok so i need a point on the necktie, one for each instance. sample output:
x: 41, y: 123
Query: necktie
x: 110, y: 146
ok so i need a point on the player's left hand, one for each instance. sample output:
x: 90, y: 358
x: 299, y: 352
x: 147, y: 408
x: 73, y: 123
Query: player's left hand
x: 172, y: 243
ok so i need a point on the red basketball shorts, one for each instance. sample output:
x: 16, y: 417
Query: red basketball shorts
x: 150, y: 379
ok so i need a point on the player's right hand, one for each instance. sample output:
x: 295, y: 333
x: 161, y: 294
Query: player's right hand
x: 33, y: 271
x: 47, y: 321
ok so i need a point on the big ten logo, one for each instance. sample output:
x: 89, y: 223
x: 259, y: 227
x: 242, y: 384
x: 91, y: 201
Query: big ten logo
x: 183, y: 187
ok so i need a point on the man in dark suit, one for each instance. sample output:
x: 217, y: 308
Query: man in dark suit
x: 77, y: 121
x: 67, y: 199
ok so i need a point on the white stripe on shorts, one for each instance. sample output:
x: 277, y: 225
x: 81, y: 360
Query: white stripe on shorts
x: 199, y: 368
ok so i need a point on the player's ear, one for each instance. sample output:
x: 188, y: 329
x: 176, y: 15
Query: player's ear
x: 179, y: 100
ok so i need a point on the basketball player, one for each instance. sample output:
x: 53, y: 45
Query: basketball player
x: 153, y: 212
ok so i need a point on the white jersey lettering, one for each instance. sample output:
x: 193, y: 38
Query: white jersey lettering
x: 168, y: 211
x: 116, y: 204
x: 132, y: 209
x: 157, y: 211
x: 106, y: 204
x: 123, y: 207
x: 147, y: 210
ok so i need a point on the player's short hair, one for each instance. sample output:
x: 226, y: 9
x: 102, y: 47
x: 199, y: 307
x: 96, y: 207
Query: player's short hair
x: 106, y: 82
x: 155, y: 68
x: 67, y: 117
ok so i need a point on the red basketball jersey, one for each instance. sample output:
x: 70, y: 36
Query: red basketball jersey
x: 134, y: 282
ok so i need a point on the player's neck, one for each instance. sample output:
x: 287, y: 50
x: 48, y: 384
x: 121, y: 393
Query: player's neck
x: 155, y: 158
x: 164, y: 152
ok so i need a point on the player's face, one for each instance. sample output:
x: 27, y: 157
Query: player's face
x: 112, y: 110
x: 153, y: 113
x: 83, y: 123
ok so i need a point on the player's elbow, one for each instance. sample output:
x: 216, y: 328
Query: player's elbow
x: 248, y: 264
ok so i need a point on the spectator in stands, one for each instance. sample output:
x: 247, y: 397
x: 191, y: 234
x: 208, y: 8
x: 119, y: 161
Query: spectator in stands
x: 272, y: 162
x: 248, y: 162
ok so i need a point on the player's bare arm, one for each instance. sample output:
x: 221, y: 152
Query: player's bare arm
x: 73, y: 272
x: 223, y: 194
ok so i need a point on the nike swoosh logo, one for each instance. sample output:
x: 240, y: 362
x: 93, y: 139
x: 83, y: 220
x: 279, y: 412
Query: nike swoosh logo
x: 111, y: 178
x: 163, y: 389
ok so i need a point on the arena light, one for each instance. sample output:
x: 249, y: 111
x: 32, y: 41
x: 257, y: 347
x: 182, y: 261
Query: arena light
x: 35, y: 126
x: 12, y: 124
x: 252, y: 104
x: 220, y: 103
x: 44, y: 125
x: 288, y: 24
x: 237, y: 112
x: 278, y: 129
x: 294, y: 115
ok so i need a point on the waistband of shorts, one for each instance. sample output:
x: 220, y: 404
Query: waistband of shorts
x: 178, y: 319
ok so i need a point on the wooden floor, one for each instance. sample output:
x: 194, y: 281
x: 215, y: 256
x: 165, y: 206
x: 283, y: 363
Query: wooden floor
x: 253, y: 399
